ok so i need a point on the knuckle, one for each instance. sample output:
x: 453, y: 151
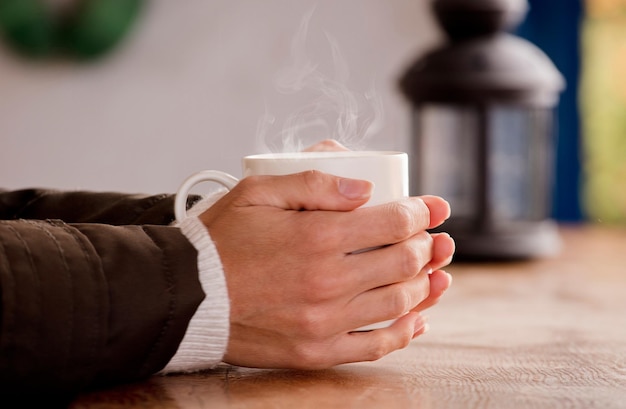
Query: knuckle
x: 411, y: 260
x: 426, y: 243
x: 400, y: 300
x: 404, y: 340
x: 402, y: 219
x: 310, y: 324
x: 319, y: 287
x: 379, y: 350
x: 384, y: 346
x: 249, y: 186
x: 313, y: 180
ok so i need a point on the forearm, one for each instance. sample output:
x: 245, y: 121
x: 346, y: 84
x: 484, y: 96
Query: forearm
x: 90, y: 304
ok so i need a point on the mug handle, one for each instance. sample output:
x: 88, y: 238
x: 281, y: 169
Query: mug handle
x: 180, y: 201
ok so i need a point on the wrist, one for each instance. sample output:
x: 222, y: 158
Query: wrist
x: 205, y: 341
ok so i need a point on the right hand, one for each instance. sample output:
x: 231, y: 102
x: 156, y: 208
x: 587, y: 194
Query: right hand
x: 295, y: 289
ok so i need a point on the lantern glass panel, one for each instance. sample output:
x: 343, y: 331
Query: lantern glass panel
x: 447, y: 145
x: 453, y: 144
x: 519, y: 145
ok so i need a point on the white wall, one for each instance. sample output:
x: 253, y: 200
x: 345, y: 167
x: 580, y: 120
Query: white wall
x: 189, y: 86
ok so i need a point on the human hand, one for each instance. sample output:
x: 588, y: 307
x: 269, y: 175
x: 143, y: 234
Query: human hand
x: 297, y: 290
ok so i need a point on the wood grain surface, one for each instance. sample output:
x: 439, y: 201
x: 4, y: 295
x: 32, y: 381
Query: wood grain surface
x: 547, y: 333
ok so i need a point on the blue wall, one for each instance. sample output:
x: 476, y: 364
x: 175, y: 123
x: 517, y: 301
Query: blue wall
x: 554, y: 26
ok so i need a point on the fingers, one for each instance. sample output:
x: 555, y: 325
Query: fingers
x: 440, y: 281
x: 375, y: 226
x: 391, y: 222
x: 408, y: 264
x: 311, y: 190
x: 387, y: 265
x: 388, y: 302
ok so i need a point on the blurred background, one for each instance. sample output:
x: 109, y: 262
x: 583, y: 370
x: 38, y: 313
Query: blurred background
x: 198, y: 86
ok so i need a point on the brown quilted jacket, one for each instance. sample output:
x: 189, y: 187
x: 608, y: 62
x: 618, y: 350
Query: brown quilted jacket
x: 96, y: 289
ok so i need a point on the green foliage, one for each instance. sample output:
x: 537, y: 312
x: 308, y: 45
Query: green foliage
x: 603, y: 108
x: 90, y: 29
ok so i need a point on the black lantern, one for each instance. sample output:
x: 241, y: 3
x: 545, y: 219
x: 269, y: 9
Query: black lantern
x: 483, y: 115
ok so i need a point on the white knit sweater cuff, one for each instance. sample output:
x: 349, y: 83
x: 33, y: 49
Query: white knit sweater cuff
x: 205, y: 341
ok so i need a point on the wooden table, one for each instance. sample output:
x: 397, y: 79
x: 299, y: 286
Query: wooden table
x: 547, y: 333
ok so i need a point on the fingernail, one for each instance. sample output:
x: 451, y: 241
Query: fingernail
x: 427, y: 269
x: 355, y: 189
x: 450, y: 276
x: 420, y: 323
x: 449, y: 210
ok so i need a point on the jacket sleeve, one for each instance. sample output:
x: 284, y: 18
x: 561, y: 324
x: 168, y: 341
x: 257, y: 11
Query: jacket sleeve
x: 89, y: 304
x: 89, y: 207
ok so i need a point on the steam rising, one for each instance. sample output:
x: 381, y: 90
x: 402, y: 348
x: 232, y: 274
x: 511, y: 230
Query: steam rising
x: 334, y: 110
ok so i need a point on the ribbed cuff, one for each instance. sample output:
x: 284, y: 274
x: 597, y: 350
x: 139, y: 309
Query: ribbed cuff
x: 205, y: 341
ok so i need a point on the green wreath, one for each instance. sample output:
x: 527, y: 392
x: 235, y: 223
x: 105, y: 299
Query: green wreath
x: 85, y: 30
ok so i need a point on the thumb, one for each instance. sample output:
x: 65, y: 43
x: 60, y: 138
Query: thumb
x: 310, y: 190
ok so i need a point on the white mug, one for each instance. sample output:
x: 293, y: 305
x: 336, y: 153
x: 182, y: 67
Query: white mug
x: 387, y: 170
